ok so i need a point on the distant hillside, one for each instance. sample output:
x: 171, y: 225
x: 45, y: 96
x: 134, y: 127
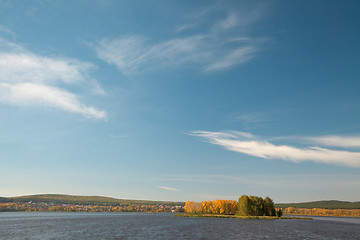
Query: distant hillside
x: 322, y: 204
x: 83, y: 200
x: 99, y: 200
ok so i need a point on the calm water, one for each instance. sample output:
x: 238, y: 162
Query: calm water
x: 164, y: 226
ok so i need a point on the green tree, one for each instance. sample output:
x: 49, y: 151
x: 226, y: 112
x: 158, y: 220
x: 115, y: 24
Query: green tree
x: 244, y: 206
x: 256, y: 206
x: 269, y: 207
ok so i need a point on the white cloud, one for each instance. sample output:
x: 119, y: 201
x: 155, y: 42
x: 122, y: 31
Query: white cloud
x: 132, y: 54
x: 336, y: 141
x: 235, y: 57
x: 264, y: 149
x: 19, y: 67
x: 169, y: 188
x: 28, y: 79
x: 33, y: 94
x: 211, y: 51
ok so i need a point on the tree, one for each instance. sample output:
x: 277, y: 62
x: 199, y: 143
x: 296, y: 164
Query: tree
x: 269, y: 207
x: 256, y: 206
x: 206, y: 206
x: 244, y: 206
x: 192, y: 207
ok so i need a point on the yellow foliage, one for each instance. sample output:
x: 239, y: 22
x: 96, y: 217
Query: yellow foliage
x: 323, y: 212
x: 193, y: 207
x: 219, y: 206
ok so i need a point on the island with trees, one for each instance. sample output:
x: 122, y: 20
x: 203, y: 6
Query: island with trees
x: 253, y: 207
x: 247, y: 207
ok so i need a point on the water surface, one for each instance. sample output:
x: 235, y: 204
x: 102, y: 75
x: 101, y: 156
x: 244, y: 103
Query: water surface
x: 46, y: 225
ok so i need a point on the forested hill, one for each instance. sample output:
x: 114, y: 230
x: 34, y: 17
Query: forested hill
x: 83, y: 200
x: 322, y: 204
x: 99, y: 200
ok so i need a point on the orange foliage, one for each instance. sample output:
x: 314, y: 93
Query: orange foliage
x: 192, y: 207
x: 219, y: 206
x: 323, y: 212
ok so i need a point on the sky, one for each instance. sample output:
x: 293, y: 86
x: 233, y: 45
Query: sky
x: 180, y: 100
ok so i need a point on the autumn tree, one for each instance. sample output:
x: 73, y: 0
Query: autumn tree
x: 206, y: 206
x: 219, y: 206
x: 192, y: 207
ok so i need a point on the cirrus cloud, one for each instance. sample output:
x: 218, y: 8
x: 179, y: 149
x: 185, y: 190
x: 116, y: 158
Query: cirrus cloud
x: 33, y: 94
x: 169, y: 188
x: 336, y: 141
x: 212, y: 49
x: 251, y: 145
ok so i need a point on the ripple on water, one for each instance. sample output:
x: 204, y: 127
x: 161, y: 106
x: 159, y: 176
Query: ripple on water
x: 165, y: 226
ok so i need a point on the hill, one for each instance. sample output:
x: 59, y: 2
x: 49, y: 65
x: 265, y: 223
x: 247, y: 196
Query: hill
x: 83, y: 200
x: 332, y: 204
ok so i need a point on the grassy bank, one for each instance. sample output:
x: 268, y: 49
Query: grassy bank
x: 235, y: 216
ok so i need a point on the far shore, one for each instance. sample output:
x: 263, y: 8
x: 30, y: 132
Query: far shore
x: 236, y: 216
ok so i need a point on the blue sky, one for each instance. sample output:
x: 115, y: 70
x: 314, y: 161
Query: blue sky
x: 180, y: 100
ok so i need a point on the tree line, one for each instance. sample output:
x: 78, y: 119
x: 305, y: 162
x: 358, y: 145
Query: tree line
x: 246, y: 206
x: 332, y: 204
x: 323, y: 212
x: 54, y: 207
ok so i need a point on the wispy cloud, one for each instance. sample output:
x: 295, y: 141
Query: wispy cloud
x: 28, y: 79
x: 132, y: 54
x: 211, y: 50
x: 235, y: 57
x: 276, y: 184
x: 230, y: 21
x: 276, y: 180
x: 254, y: 146
x: 336, y: 141
x: 7, y: 31
x: 185, y: 27
x: 19, y: 67
x: 169, y: 188
x: 33, y: 94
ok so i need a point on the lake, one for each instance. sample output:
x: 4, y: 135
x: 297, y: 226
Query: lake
x: 52, y: 225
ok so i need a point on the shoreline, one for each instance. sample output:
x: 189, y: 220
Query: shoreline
x: 238, y: 217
